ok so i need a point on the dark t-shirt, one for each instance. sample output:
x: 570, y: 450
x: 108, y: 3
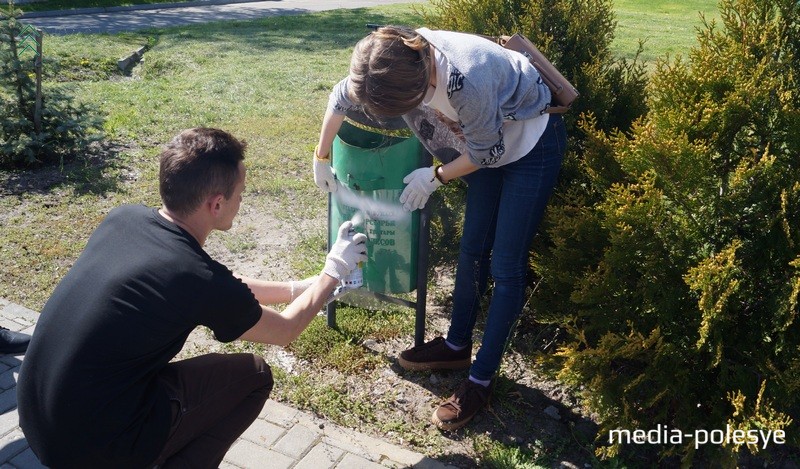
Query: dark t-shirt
x: 87, y: 392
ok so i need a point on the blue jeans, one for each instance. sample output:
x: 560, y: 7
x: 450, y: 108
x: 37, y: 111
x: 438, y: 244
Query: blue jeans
x: 504, y: 208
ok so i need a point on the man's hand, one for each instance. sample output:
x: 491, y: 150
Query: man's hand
x: 323, y: 173
x: 349, y: 249
x: 421, y: 184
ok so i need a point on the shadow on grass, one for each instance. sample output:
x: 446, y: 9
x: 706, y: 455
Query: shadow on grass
x: 517, y: 416
x: 99, y: 172
x: 522, y: 422
x: 291, y: 30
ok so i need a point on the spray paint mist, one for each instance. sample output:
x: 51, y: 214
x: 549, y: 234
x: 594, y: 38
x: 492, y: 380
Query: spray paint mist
x: 368, y: 208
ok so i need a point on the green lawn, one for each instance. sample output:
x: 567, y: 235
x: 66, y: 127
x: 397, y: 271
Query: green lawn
x: 266, y: 81
x: 223, y: 75
x: 667, y: 27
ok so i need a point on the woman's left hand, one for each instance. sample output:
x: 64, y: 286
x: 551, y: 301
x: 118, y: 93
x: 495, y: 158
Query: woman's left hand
x: 421, y: 184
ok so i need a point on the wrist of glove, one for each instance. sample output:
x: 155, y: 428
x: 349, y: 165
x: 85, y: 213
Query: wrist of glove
x: 297, y: 287
x: 349, y: 249
x: 323, y: 173
x: 420, y: 185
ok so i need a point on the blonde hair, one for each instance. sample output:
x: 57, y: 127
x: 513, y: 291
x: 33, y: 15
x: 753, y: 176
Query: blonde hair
x: 390, y: 71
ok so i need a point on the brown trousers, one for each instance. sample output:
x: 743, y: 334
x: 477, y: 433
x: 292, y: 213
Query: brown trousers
x: 214, y: 399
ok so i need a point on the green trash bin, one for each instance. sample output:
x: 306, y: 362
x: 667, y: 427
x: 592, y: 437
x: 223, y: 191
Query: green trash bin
x: 371, y: 167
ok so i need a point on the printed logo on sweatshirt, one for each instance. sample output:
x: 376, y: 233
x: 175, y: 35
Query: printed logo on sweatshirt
x: 496, y: 152
x: 455, y: 82
x: 338, y: 107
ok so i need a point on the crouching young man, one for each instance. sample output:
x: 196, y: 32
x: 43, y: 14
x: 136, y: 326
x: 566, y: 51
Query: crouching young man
x: 97, y: 388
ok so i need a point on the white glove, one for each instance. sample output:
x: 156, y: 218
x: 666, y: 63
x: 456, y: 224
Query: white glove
x: 421, y: 184
x: 349, y: 249
x: 323, y: 174
x: 299, y: 286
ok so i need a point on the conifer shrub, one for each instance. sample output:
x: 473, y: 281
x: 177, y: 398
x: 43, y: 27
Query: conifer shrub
x: 67, y: 128
x: 678, y: 279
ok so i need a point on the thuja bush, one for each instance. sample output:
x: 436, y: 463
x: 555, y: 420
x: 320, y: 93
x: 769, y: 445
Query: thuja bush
x: 679, y: 286
x: 66, y: 128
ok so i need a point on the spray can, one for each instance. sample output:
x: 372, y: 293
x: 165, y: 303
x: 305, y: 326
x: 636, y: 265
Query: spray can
x: 356, y: 277
x: 350, y: 282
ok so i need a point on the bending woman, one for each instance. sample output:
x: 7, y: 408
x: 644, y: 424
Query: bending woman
x: 482, y: 111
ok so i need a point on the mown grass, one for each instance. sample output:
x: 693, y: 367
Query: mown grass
x: 667, y: 27
x: 266, y: 81
x: 80, y: 57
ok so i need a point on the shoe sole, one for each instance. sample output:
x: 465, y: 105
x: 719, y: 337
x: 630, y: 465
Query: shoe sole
x: 424, y: 366
x: 449, y: 426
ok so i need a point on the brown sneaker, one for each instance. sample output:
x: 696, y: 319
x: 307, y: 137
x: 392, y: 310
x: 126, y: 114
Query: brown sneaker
x: 455, y: 412
x: 435, y: 355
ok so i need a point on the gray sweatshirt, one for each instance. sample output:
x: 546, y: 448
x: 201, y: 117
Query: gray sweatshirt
x: 487, y: 85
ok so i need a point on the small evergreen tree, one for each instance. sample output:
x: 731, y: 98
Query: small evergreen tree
x: 680, y: 284
x: 67, y: 129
